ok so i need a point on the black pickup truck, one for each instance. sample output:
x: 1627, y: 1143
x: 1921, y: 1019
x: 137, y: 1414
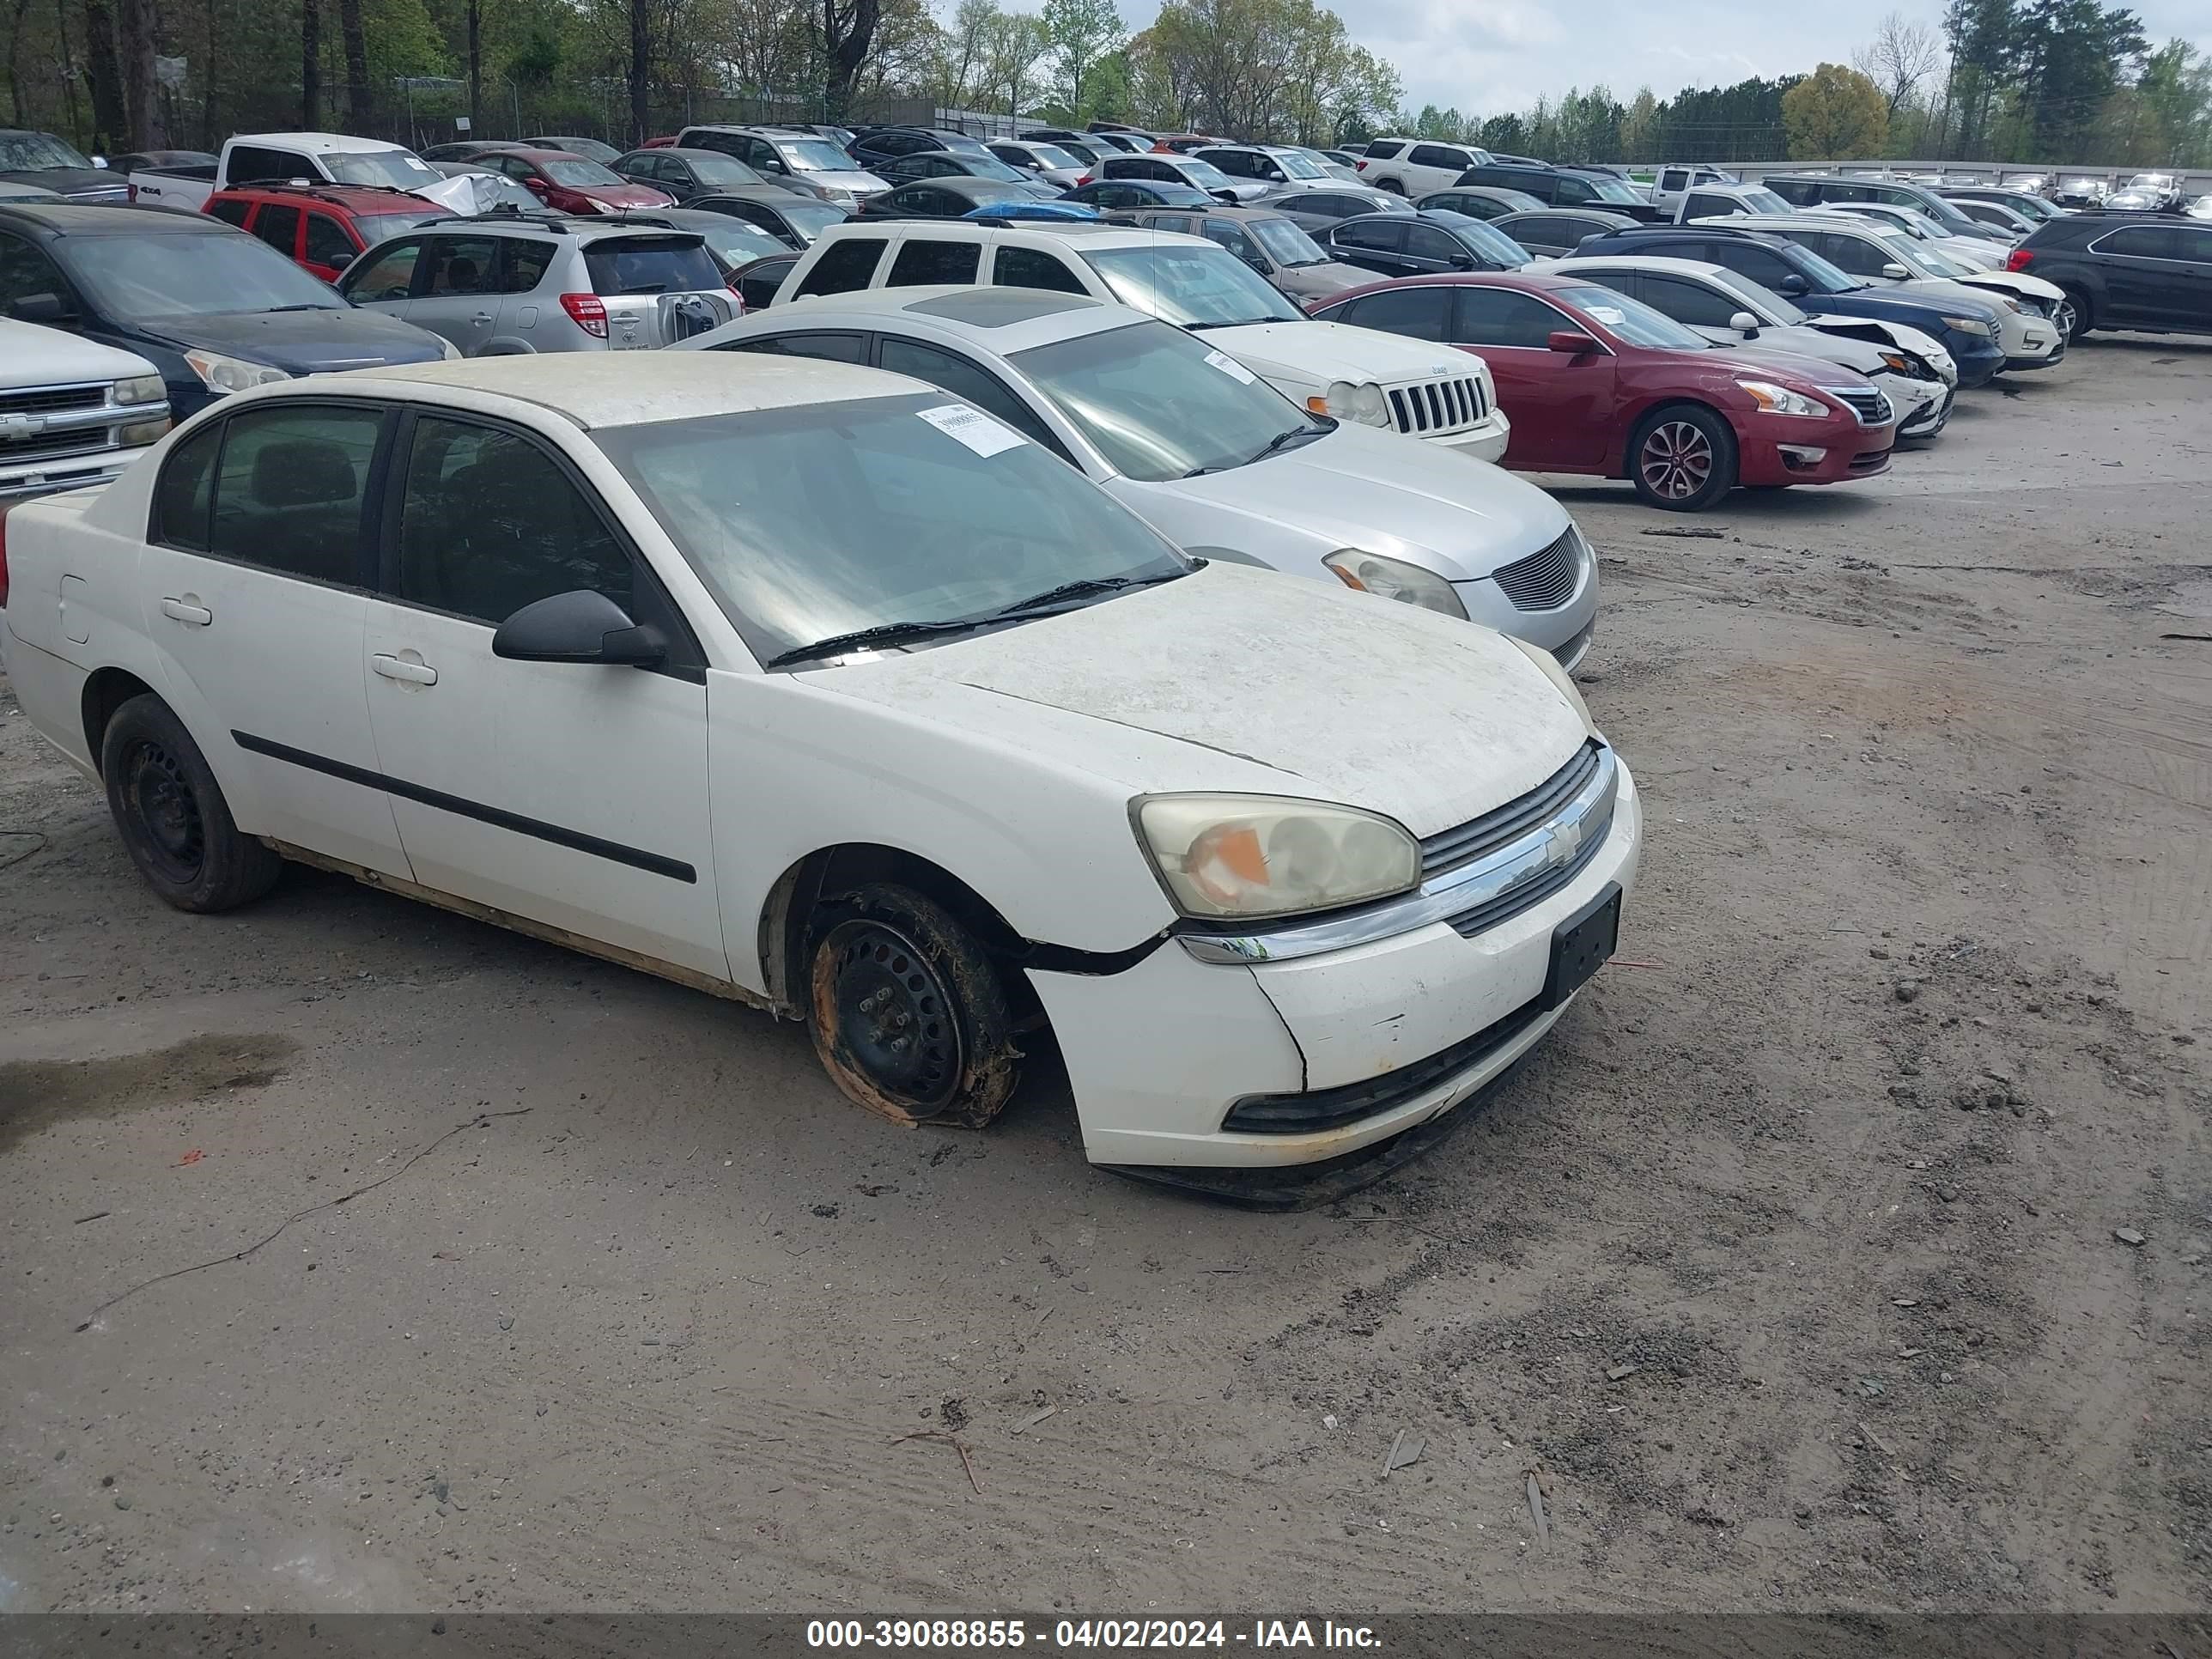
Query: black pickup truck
x: 2151, y: 271
x: 44, y: 161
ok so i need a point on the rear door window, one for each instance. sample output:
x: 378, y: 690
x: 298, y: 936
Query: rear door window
x: 185, y: 493
x: 1501, y: 316
x: 461, y: 265
x: 278, y: 225
x: 289, y: 489
x: 651, y: 265
x: 924, y: 260
x: 1685, y: 302
x: 1377, y: 236
x: 249, y: 164
x: 833, y: 348
x: 1436, y: 155
x: 1762, y: 264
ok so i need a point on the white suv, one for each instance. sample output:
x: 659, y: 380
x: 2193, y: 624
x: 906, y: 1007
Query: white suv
x: 1430, y: 391
x: 1414, y: 166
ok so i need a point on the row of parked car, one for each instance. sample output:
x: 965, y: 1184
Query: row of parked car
x: 922, y: 628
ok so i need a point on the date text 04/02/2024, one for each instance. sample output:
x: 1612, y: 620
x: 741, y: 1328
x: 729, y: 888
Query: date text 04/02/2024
x: 1085, y: 1633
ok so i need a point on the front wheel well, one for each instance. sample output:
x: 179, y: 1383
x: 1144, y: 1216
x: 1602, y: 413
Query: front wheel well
x: 107, y: 690
x: 822, y: 875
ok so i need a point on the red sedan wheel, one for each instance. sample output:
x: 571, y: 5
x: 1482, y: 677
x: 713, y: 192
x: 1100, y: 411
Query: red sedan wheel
x: 1683, y: 460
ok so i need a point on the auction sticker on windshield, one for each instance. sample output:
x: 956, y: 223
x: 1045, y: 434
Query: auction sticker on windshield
x: 972, y: 427
x: 1228, y: 366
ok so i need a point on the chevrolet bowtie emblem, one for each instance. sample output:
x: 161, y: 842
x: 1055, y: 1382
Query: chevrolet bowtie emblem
x: 1566, y: 842
x: 21, y: 426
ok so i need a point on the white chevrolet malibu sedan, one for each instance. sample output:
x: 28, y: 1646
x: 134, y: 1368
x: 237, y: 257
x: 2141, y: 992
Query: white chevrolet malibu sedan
x: 811, y: 687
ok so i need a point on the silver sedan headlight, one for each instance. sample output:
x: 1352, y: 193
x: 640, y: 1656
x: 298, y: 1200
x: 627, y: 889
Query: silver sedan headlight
x: 1247, y: 856
x: 1394, y: 579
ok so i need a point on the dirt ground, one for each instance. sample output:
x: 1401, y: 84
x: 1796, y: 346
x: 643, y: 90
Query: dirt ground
x: 1846, y: 1247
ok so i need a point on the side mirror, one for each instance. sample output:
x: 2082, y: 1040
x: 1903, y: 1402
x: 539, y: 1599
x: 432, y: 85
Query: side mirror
x: 1275, y: 176
x: 582, y: 626
x: 1793, y: 285
x: 1257, y: 263
x: 1462, y: 262
x: 1570, y: 340
x: 1227, y: 198
x: 1895, y: 273
x: 48, y: 308
x: 1746, y: 325
x: 100, y: 160
x: 535, y: 186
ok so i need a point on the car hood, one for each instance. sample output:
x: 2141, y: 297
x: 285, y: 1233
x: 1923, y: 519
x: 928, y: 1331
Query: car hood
x: 1331, y: 276
x: 1322, y: 352
x: 71, y: 181
x: 1876, y: 330
x: 302, y: 342
x: 1796, y: 343
x: 1360, y: 487
x: 625, y: 196
x: 859, y: 184
x: 2017, y: 283
x: 456, y: 192
x: 1433, y: 721
x: 32, y: 356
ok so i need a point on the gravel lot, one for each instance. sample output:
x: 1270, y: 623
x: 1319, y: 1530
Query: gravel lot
x: 1794, y: 1265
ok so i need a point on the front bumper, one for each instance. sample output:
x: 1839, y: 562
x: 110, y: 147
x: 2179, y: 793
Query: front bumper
x: 1484, y: 441
x: 1159, y: 1054
x: 2033, y: 361
x: 1978, y: 366
x: 1924, y: 407
x: 1827, y: 451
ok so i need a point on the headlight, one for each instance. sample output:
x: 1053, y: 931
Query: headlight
x: 1394, y: 579
x: 139, y: 389
x: 219, y: 373
x: 1892, y: 361
x: 2015, y: 305
x: 142, y: 432
x: 1966, y: 324
x: 1558, y: 676
x: 1345, y: 402
x: 1773, y: 399
x: 1267, y: 855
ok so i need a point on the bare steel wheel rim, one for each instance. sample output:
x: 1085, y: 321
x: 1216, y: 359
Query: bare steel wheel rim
x: 895, y: 1015
x: 1677, y: 460
x: 159, y: 797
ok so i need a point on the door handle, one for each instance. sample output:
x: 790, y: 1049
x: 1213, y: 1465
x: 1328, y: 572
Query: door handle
x: 398, y: 668
x: 196, y: 615
x: 481, y: 317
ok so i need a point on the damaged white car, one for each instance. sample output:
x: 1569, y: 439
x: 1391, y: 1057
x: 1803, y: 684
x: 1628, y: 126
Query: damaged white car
x: 810, y: 686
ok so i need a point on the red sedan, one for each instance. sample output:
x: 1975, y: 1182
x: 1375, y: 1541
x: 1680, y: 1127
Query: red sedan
x: 570, y: 184
x: 1596, y: 382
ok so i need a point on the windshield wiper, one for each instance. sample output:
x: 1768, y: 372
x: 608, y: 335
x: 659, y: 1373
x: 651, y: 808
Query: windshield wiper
x: 1081, y: 587
x: 1235, y: 322
x: 891, y: 633
x: 1283, y: 440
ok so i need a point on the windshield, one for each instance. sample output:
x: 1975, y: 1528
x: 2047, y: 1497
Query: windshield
x: 590, y: 148
x: 821, y: 156
x: 397, y: 167
x: 1190, y: 286
x: 1761, y: 299
x: 1613, y: 190
x: 1631, y: 320
x: 585, y: 175
x: 2154, y: 181
x: 816, y: 521
x: 717, y: 169
x: 1286, y: 244
x: 651, y: 265
x: 1051, y: 155
x: 187, y: 275
x: 737, y: 243
x: 1178, y: 195
x: 811, y: 219
x: 1491, y: 243
x: 1205, y: 174
x: 31, y: 152
x: 989, y: 165
x: 1757, y: 198
x: 1296, y: 166
x: 1161, y: 404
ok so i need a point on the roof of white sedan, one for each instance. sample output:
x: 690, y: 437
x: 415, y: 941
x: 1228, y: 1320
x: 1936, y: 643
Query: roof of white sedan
x: 622, y: 388
x: 1001, y: 320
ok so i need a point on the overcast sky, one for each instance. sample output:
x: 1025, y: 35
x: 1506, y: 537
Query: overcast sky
x: 1488, y: 57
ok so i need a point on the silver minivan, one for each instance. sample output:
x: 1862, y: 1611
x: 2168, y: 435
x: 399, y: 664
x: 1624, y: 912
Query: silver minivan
x: 546, y: 283
x: 792, y: 157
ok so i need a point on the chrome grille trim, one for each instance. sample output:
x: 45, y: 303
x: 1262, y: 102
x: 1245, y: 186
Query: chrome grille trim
x: 1448, y: 849
x: 1490, y: 888
x: 1548, y: 577
x: 1436, y: 408
x: 55, y: 399
x: 1866, y: 403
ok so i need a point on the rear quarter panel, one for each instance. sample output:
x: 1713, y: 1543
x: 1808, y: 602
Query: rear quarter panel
x: 58, y: 637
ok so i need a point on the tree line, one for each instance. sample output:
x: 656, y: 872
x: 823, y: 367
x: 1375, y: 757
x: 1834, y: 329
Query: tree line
x: 2052, y: 81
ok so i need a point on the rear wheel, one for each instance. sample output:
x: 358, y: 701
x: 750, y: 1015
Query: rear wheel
x: 1390, y: 184
x: 908, y: 1015
x: 2076, y: 316
x: 172, y: 815
x: 1683, y: 457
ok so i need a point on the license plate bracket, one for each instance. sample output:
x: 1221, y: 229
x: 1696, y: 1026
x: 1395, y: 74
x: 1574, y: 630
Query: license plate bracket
x: 1581, y: 945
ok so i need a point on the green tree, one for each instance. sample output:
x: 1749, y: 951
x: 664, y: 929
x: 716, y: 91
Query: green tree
x: 1835, y: 113
x: 1079, y: 33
